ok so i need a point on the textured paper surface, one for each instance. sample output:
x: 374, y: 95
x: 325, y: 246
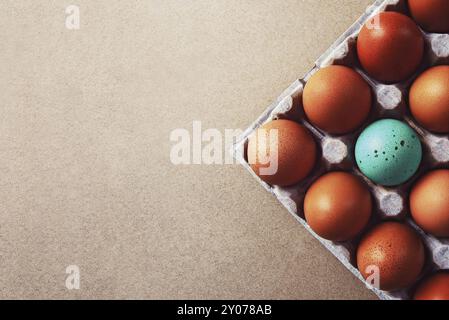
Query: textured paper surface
x: 84, y: 144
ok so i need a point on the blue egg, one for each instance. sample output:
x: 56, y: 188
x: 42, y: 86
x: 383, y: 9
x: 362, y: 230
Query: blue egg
x: 388, y: 152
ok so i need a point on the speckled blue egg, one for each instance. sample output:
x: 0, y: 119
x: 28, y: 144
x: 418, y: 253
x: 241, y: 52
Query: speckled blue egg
x: 388, y: 152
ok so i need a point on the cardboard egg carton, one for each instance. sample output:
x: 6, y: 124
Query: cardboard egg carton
x: 337, y: 152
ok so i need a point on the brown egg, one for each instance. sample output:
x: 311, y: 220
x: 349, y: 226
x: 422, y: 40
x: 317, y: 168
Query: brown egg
x: 337, y: 99
x: 429, y: 99
x: 398, y: 252
x: 429, y: 203
x: 390, y: 47
x: 432, y: 15
x: 338, y: 206
x: 282, y: 152
x: 436, y: 287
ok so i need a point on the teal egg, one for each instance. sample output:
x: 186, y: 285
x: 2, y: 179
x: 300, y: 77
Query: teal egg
x: 388, y: 152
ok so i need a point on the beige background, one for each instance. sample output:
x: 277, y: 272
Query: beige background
x: 86, y: 177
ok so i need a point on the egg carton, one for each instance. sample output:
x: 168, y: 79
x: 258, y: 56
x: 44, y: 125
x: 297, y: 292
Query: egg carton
x: 337, y: 152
